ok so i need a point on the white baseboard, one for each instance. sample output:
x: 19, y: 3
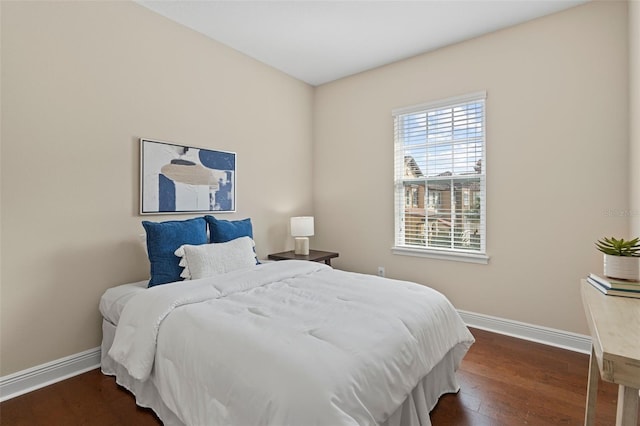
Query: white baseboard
x: 55, y: 371
x: 535, y: 333
x: 25, y: 381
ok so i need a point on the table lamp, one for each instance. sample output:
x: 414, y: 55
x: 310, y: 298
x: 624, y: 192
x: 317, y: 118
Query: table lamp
x: 301, y: 228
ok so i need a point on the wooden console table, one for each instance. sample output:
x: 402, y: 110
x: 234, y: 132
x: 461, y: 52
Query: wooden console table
x: 614, y: 323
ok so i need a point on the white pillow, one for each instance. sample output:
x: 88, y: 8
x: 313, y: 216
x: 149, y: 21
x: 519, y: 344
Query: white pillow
x: 206, y: 260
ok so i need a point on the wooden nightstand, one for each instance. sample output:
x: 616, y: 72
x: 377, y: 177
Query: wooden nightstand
x: 314, y: 256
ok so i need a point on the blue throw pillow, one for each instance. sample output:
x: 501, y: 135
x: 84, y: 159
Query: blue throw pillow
x: 222, y: 231
x: 164, y: 238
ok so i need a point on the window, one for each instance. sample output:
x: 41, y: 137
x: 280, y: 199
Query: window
x: 412, y: 198
x: 440, y: 183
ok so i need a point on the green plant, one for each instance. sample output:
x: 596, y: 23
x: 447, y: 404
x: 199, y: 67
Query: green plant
x: 615, y: 247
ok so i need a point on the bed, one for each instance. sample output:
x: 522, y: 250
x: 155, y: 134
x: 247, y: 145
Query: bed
x: 284, y: 343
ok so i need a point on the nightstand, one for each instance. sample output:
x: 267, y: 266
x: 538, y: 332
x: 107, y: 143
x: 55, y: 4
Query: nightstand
x: 314, y: 256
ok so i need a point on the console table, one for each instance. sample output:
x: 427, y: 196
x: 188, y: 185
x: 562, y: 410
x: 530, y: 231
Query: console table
x: 614, y: 323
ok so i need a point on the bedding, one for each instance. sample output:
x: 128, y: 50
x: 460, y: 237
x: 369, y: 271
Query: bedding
x: 114, y: 299
x: 288, y: 342
x: 217, y: 258
x: 163, y: 239
x: 221, y: 230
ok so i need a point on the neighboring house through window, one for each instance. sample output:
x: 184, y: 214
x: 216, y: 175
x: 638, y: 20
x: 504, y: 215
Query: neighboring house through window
x: 440, y: 182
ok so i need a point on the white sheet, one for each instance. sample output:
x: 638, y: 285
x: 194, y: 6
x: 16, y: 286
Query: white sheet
x: 287, y: 343
x: 414, y: 411
x: 114, y: 299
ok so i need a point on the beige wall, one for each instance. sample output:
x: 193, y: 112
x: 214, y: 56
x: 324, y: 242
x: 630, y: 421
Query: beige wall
x: 634, y: 114
x: 557, y: 146
x: 81, y: 82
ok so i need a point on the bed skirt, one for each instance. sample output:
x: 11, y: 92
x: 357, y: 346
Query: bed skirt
x: 413, y: 412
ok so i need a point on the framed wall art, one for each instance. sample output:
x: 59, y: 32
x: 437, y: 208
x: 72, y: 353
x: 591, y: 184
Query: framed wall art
x: 183, y: 179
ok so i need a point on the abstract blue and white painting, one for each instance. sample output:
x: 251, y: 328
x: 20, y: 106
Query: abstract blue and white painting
x: 183, y: 179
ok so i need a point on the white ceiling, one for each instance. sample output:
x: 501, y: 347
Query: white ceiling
x: 321, y: 41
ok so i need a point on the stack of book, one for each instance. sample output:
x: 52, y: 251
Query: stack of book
x: 615, y: 287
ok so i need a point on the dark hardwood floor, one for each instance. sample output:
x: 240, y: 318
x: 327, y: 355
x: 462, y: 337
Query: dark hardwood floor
x: 504, y: 381
x: 508, y: 381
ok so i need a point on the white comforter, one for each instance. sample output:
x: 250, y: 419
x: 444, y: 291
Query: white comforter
x: 287, y: 343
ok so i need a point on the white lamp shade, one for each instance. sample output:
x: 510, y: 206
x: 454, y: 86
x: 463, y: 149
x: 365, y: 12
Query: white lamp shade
x: 302, y: 226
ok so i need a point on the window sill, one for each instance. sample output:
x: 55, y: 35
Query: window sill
x: 442, y: 255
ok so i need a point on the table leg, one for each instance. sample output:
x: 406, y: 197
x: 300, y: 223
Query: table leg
x: 592, y: 390
x: 627, y: 412
x: 328, y: 262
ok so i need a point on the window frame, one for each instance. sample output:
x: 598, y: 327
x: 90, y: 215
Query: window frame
x: 444, y: 253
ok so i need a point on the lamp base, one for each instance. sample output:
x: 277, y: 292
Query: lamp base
x: 302, y: 246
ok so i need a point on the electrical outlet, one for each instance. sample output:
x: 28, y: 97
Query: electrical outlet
x: 381, y: 271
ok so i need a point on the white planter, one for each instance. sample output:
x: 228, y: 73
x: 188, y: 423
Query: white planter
x: 622, y: 267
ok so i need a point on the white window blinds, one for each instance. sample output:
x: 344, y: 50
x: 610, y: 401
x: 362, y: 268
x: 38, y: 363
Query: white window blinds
x: 440, y: 170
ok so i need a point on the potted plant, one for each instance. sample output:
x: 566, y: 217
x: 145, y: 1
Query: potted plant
x: 621, y: 258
